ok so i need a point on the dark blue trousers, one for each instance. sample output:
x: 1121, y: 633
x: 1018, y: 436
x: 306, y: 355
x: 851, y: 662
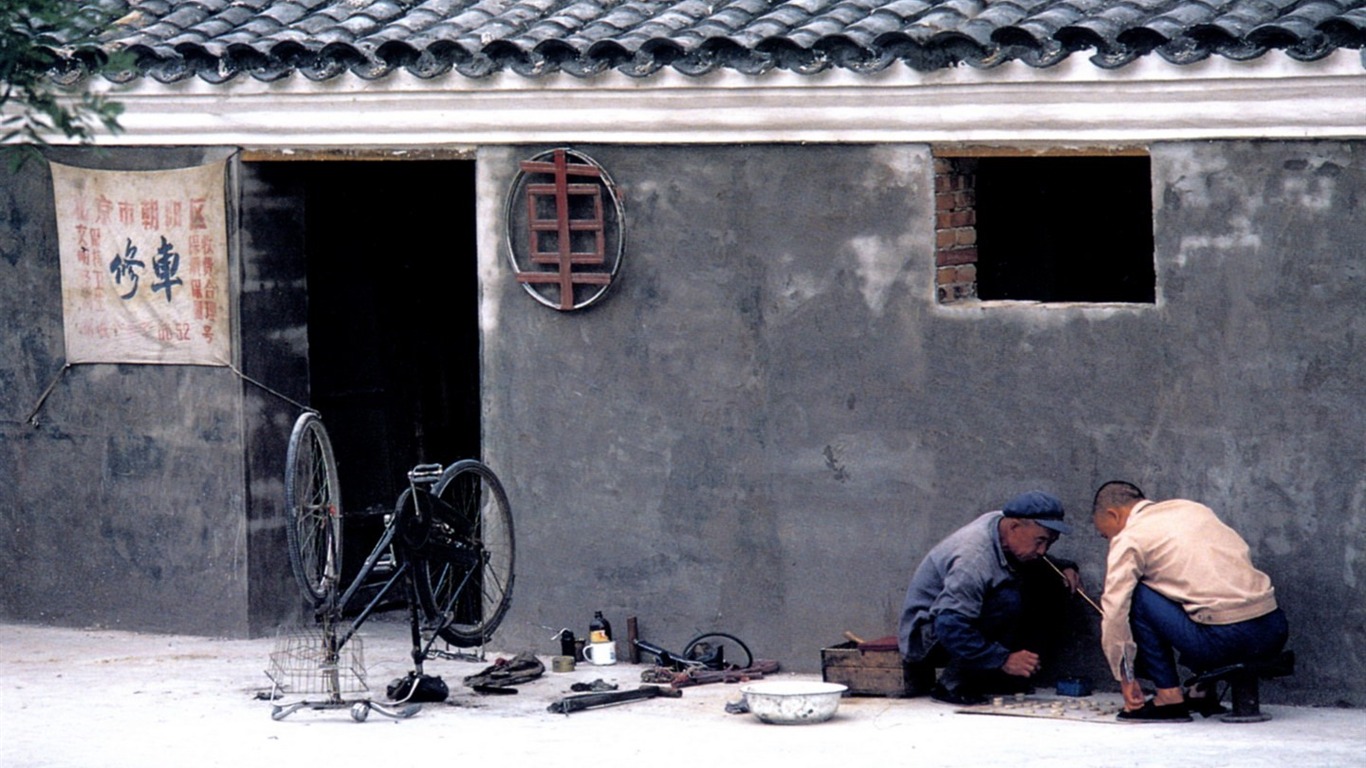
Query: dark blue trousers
x: 1024, y: 613
x: 1162, y: 629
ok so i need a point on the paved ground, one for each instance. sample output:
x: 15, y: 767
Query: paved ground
x: 107, y: 698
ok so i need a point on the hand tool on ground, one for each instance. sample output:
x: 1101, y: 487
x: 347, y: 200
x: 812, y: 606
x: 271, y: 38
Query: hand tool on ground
x: 609, y: 698
x: 695, y: 676
x: 706, y: 651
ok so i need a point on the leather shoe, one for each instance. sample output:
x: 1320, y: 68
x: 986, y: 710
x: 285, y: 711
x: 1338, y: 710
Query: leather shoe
x: 958, y: 697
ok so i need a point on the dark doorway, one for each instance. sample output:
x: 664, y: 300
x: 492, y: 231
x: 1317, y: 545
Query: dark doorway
x: 393, y: 323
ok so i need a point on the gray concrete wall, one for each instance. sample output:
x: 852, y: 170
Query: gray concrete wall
x: 771, y: 420
x: 767, y: 423
x: 123, y: 505
x: 148, y: 497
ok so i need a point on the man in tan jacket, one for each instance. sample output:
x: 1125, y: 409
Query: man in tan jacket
x: 1177, y: 580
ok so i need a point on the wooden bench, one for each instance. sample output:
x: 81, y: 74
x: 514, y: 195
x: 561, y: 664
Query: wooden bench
x: 1243, y: 684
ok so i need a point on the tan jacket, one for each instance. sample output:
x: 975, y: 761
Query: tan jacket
x: 1184, y: 552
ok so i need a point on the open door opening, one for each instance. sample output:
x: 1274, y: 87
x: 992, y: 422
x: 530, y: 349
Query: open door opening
x: 393, y: 323
x: 373, y: 262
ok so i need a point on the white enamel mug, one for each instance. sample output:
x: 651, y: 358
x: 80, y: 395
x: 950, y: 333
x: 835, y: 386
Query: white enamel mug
x: 601, y: 654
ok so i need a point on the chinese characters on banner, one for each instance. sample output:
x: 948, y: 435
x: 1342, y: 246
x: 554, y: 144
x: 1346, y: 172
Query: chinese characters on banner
x: 144, y: 258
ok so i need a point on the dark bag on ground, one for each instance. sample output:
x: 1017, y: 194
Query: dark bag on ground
x: 419, y: 689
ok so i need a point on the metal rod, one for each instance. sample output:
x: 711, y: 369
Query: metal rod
x: 1080, y: 591
x: 632, y: 634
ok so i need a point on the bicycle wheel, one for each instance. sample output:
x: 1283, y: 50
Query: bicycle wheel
x: 465, y: 559
x: 313, y: 506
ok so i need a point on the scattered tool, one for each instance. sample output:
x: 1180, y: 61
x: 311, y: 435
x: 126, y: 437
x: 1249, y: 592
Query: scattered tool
x: 1080, y: 591
x: 585, y: 701
x: 597, y: 686
x: 755, y: 671
x: 506, y: 673
x: 706, y: 651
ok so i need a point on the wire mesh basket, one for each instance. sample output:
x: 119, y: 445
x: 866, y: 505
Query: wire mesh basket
x: 304, y: 662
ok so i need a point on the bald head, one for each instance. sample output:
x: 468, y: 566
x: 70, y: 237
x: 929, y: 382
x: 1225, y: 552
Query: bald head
x: 1116, y: 494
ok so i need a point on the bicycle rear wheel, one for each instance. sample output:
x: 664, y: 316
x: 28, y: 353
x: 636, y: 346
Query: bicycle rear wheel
x: 465, y: 568
x: 313, y: 507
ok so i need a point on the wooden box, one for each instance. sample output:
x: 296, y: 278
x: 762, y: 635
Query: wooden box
x: 869, y: 669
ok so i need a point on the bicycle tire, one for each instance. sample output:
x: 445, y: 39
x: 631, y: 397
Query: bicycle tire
x: 313, y: 508
x: 465, y: 560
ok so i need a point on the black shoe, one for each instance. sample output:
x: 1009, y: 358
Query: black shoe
x: 957, y: 697
x: 917, y: 679
x: 1152, y: 713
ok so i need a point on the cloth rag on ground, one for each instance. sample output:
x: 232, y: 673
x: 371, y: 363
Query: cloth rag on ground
x: 505, y: 673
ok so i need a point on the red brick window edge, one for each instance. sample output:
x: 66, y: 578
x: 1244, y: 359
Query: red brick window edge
x: 955, y: 228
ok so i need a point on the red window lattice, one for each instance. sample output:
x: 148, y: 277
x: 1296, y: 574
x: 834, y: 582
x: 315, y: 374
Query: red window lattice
x: 566, y: 225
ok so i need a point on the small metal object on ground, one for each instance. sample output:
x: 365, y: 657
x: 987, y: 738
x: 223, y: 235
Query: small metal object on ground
x: 583, y: 701
x: 493, y: 690
x: 757, y: 671
x: 740, y: 707
x: 562, y: 664
x: 632, y: 634
x: 597, y: 686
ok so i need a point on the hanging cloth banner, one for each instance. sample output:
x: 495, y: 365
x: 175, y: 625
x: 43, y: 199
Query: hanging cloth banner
x: 144, y: 258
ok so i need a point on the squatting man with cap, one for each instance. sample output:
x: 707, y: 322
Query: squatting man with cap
x: 984, y: 606
x: 1177, y: 579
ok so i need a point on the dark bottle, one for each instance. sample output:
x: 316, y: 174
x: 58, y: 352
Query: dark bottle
x: 599, y: 629
x: 566, y: 643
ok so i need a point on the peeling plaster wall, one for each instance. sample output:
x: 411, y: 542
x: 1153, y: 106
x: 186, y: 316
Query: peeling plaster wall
x: 770, y: 420
x: 145, y: 497
x: 1262, y: 412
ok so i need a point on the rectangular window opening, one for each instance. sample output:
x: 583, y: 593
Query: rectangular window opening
x: 1064, y: 228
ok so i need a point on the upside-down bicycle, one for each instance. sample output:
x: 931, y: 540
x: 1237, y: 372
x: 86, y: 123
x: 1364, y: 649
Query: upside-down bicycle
x: 448, y: 545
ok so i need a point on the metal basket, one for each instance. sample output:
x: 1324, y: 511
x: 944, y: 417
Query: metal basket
x: 302, y: 663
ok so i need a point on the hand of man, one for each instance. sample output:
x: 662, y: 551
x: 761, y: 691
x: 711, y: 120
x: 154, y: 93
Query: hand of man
x: 1073, y: 580
x: 1133, y: 694
x: 1021, y: 664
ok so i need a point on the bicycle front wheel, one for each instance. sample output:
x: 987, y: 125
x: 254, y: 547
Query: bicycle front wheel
x: 313, y: 507
x: 464, y: 583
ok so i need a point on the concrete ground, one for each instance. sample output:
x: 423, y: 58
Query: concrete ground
x: 98, y: 697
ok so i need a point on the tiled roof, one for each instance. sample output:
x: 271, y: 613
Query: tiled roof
x: 218, y: 40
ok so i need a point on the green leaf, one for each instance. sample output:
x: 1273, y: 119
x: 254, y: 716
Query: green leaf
x: 35, y: 37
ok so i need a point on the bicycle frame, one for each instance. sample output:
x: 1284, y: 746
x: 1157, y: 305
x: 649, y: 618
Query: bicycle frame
x: 449, y: 541
x: 426, y: 477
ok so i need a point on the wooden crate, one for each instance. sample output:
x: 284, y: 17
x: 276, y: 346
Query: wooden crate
x: 868, y: 671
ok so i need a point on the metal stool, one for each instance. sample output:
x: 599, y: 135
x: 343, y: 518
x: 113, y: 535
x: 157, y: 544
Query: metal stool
x: 1243, y: 680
